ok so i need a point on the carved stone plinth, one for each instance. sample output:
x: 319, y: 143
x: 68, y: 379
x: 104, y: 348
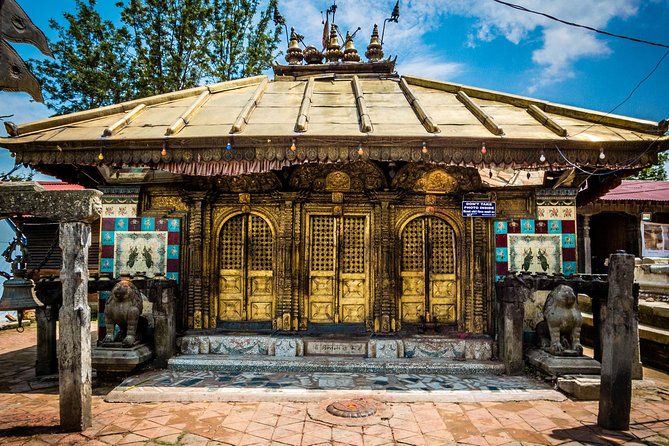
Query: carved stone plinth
x: 114, y: 358
x: 563, y: 365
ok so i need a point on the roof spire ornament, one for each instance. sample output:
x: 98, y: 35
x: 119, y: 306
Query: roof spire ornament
x: 334, y: 52
x: 294, y: 54
x: 374, y: 51
x: 350, y: 53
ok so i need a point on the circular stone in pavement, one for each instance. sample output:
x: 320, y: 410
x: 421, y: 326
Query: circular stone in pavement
x: 359, y: 408
x: 355, y: 412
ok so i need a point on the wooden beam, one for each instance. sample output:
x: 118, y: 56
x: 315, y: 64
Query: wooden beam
x: 482, y: 116
x: 363, y: 114
x: 303, y: 117
x: 186, y: 117
x: 124, y: 121
x: 417, y: 107
x: 251, y: 105
x: 546, y: 120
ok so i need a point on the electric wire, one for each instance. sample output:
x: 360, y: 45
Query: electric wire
x: 599, y: 31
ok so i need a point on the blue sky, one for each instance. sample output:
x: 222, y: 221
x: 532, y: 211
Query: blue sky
x: 475, y: 42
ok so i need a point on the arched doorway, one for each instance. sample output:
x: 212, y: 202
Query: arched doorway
x: 428, y: 272
x: 246, y: 269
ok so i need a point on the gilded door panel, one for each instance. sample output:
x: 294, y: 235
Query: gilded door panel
x: 322, y: 268
x: 338, y: 268
x: 260, y: 270
x: 443, y: 287
x: 231, y: 274
x: 412, y: 272
x: 246, y: 278
x: 427, y: 271
x: 353, y: 274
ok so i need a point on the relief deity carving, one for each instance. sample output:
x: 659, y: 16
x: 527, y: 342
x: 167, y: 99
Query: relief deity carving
x: 431, y: 179
x: 357, y: 176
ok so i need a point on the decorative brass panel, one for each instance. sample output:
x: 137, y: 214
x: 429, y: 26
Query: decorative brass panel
x: 246, y: 263
x: 338, y: 268
x: 427, y: 271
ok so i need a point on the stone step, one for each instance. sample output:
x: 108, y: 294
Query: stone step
x: 448, y: 346
x: 332, y: 364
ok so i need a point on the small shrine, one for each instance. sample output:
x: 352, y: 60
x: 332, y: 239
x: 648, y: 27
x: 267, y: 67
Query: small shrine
x: 339, y: 196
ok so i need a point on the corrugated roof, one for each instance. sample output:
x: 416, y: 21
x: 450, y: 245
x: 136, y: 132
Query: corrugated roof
x: 59, y: 185
x: 329, y: 116
x: 639, y: 190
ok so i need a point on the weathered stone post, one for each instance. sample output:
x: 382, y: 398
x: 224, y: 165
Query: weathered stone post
x: 74, y: 209
x: 618, y: 345
x: 164, y: 320
x: 74, y: 346
x: 47, y: 362
x: 510, y: 327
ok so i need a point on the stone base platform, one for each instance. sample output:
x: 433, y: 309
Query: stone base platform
x: 323, y: 364
x: 454, y: 347
x: 563, y: 365
x: 586, y: 387
x: 117, y: 359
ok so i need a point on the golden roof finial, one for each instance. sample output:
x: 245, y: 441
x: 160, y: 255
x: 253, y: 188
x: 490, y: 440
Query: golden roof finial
x: 350, y: 53
x: 294, y: 54
x: 374, y: 50
x: 334, y: 52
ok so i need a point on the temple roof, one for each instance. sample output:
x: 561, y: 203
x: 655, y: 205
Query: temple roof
x: 263, y: 124
x: 638, y: 190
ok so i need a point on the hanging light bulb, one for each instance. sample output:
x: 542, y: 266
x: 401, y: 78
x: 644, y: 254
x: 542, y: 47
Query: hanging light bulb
x: 602, y: 155
x: 100, y: 155
x: 424, y: 149
x: 293, y: 147
x: 542, y: 157
x: 528, y: 175
x: 360, y: 151
x: 164, y: 151
x: 228, y: 146
x: 483, y: 149
x: 490, y: 173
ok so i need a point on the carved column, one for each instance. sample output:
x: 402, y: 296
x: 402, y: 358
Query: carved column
x: 74, y: 346
x: 285, y: 281
x: 479, y: 273
x: 209, y: 310
x: 587, y: 247
x: 387, y: 276
x: 299, y: 304
x: 194, y: 286
x: 163, y: 299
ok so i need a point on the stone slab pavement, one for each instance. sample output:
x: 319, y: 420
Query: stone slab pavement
x: 29, y: 416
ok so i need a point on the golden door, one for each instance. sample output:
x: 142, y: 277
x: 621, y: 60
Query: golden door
x: 338, y: 264
x: 246, y: 270
x: 427, y: 271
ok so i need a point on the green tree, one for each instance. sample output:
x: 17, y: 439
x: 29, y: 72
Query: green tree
x: 656, y: 172
x: 91, y: 62
x: 237, y: 44
x: 159, y: 46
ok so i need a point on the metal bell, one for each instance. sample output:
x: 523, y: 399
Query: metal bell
x: 18, y: 295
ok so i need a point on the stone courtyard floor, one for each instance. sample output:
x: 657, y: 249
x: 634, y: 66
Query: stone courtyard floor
x: 29, y: 411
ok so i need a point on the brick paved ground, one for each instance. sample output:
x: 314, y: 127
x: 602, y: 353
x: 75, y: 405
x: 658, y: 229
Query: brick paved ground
x: 29, y: 416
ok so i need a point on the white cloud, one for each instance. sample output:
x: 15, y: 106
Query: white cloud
x: 561, y: 45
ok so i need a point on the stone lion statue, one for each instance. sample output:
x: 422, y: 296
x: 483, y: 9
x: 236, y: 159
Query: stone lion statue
x: 560, y: 331
x: 123, y: 308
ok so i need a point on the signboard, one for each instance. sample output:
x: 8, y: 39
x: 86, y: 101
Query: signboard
x: 479, y: 209
x: 655, y: 237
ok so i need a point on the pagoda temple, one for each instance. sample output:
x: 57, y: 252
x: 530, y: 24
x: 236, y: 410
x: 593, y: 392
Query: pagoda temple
x: 339, y: 196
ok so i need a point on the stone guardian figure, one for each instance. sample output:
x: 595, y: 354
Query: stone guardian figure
x: 560, y: 331
x: 123, y: 309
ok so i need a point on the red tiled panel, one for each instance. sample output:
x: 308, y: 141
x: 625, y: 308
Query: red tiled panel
x: 501, y: 240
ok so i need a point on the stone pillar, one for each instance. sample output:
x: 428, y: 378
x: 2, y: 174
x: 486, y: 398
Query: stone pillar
x: 587, y: 247
x: 618, y: 345
x: 74, y: 345
x: 510, y: 327
x: 47, y: 358
x: 164, y: 316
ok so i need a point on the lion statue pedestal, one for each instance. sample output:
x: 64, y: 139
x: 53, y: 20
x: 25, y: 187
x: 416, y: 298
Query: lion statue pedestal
x: 123, y: 351
x: 559, y: 336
